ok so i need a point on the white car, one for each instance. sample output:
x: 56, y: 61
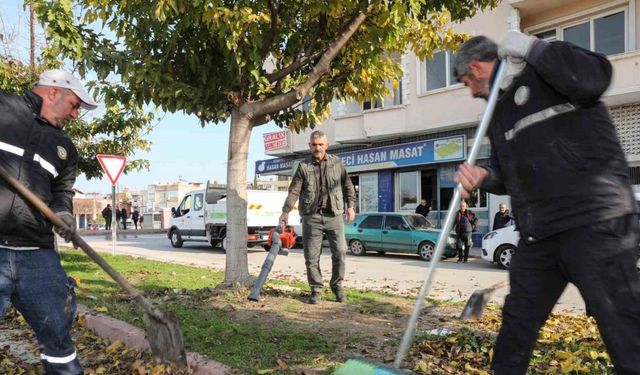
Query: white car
x: 498, y: 246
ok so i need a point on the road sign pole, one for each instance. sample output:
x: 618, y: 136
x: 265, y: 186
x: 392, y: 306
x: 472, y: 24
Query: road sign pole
x: 113, y: 165
x: 114, y: 223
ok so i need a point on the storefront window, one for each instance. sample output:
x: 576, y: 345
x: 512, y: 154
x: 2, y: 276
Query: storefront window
x: 408, y: 190
x: 478, y: 199
x: 369, y: 192
x: 446, y: 194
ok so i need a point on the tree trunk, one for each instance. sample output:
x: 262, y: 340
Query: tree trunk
x: 237, y: 269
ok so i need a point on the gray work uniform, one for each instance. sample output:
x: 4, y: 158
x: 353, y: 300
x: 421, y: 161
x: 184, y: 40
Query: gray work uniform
x: 323, y: 188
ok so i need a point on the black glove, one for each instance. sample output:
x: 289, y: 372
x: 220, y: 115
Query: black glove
x: 70, y: 226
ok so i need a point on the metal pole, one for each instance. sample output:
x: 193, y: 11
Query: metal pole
x: 448, y: 223
x: 114, y: 224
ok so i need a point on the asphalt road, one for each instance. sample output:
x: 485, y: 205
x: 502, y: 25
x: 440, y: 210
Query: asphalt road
x: 401, y: 274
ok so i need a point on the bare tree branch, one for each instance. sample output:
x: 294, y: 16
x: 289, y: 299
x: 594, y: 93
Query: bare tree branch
x: 286, y: 100
x: 304, y: 56
x: 276, y: 76
x: 273, y: 8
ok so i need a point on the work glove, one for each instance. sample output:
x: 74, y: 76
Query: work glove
x: 516, y: 45
x: 70, y: 225
x: 513, y: 50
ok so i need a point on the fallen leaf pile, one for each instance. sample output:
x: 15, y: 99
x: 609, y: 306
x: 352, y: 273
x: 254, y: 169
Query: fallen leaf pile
x: 567, y: 344
x: 19, y: 352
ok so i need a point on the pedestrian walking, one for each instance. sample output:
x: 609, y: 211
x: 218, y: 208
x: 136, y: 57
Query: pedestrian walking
x: 135, y: 215
x: 124, y: 216
x: 35, y: 150
x: 502, y: 218
x: 325, y: 192
x: 423, y: 208
x: 107, y: 214
x: 555, y: 151
x: 118, y: 216
x: 464, y: 226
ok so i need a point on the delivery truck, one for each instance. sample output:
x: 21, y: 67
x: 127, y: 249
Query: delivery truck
x: 202, y: 216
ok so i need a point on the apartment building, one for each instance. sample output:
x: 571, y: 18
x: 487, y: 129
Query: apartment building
x: 407, y: 147
x: 168, y: 194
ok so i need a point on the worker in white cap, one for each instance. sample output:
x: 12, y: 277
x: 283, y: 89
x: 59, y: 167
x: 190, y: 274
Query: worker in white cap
x: 62, y: 94
x: 35, y: 150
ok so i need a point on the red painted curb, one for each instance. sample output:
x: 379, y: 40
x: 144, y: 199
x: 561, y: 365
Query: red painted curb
x: 116, y: 330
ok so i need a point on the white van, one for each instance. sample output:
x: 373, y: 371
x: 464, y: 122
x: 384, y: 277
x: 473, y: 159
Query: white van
x: 202, y: 216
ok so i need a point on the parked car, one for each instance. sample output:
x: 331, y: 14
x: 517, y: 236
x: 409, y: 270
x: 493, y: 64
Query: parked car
x: 394, y: 232
x: 498, y: 246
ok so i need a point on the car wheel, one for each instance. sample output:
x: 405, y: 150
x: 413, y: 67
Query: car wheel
x: 504, y: 254
x: 425, y: 250
x: 357, y: 248
x: 176, y: 240
x: 214, y: 243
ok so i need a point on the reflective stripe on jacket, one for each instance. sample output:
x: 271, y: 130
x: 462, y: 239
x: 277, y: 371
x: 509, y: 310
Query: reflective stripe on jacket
x: 44, y: 159
x: 554, y: 148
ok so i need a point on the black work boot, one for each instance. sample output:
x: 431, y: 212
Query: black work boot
x: 340, y: 296
x: 314, y: 298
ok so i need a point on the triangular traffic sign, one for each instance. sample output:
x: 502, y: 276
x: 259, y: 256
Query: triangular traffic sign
x: 113, y: 165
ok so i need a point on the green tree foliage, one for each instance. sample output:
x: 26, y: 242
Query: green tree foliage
x: 251, y: 61
x: 120, y: 130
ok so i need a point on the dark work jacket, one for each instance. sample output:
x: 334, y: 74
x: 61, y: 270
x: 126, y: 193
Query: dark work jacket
x: 501, y: 220
x: 554, y: 148
x: 422, y: 210
x: 107, y: 213
x: 305, y: 185
x: 43, y: 158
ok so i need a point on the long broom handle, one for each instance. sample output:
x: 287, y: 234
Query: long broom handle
x: 448, y: 224
x: 49, y: 214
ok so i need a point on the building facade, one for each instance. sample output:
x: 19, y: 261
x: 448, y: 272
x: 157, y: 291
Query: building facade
x: 406, y: 147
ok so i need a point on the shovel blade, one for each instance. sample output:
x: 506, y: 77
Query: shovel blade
x: 478, y: 301
x: 165, y: 338
x: 475, y: 305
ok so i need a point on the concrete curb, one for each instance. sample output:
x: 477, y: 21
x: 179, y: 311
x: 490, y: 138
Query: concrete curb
x: 116, y: 330
x: 86, y: 232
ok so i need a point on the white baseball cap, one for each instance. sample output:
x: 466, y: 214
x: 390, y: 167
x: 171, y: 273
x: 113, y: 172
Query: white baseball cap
x: 62, y: 78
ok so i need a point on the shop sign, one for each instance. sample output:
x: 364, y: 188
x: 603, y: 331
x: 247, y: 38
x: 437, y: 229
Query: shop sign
x: 273, y: 165
x: 275, y: 140
x: 407, y: 154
